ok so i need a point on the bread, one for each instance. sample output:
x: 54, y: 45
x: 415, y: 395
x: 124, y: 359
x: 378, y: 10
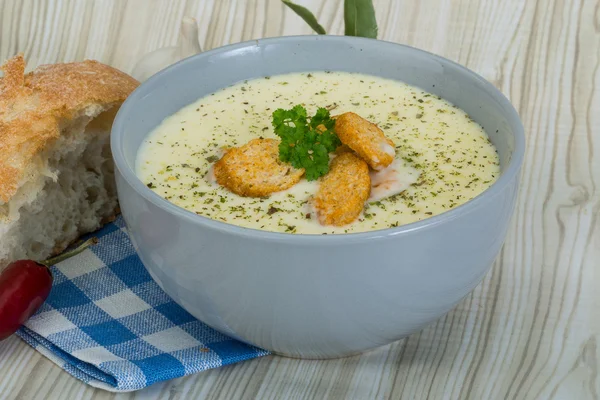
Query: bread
x: 343, y: 191
x: 255, y: 170
x: 366, y: 139
x: 56, y: 168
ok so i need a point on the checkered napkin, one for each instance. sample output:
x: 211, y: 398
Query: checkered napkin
x: 107, y: 323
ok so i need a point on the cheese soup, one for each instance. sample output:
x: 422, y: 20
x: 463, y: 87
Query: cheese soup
x: 442, y: 158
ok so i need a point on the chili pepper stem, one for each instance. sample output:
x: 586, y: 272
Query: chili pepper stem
x: 69, y: 254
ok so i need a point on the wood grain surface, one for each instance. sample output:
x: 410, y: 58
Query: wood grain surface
x: 531, y: 329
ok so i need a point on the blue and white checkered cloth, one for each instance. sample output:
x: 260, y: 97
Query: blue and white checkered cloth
x: 107, y: 323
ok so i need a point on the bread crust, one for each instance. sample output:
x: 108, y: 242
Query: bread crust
x: 34, y: 107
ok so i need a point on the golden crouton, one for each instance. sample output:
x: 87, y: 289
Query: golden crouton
x: 343, y: 191
x: 366, y: 139
x: 254, y: 169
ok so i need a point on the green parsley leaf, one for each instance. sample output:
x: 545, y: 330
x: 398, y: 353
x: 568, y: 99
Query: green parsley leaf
x: 322, y: 118
x: 306, y: 142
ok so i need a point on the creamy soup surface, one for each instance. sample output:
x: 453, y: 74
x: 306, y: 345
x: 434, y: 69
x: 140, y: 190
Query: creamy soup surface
x: 443, y: 157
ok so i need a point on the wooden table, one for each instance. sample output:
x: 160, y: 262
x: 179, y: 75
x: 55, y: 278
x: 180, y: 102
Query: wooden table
x: 531, y: 330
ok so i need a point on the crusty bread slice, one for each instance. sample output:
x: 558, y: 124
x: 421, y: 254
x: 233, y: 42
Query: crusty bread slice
x: 56, y: 168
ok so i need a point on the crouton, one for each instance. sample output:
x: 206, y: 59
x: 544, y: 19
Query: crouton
x: 366, y: 139
x: 254, y: 169
x: 343, y: 191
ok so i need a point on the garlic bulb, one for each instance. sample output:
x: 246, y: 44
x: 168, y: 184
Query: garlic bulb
x: 187, y: 45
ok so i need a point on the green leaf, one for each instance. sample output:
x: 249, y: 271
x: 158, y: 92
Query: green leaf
x: 330, y: 141
x: 302, y: 145
x: 300, y: 112
x: 359, y: 18
x: 321, y: 117
x: 307, y: 16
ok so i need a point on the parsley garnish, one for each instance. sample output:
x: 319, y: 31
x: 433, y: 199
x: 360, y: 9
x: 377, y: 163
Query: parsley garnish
x: 306, y: 141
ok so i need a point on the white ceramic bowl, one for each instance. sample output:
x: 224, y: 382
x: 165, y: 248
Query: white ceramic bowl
x: 310, y: 295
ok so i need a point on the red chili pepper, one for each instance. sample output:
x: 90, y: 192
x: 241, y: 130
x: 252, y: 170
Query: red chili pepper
x: 24, y: 286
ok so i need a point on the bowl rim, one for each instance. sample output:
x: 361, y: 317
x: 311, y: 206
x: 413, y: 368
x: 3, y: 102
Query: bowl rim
x: 128, y: 174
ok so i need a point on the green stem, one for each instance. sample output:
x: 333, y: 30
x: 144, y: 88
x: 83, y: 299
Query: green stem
x: 69, y: 254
